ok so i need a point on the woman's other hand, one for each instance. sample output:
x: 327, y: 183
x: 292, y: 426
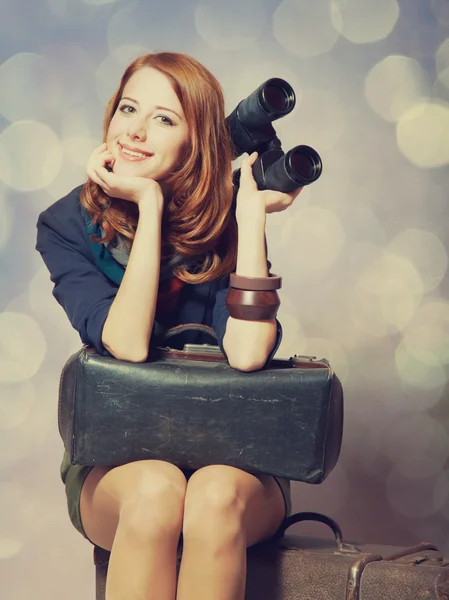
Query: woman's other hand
x: 252, y: 202
x: 134, y: 189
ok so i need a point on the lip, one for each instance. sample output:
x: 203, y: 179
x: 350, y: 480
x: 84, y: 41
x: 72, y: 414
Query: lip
x: 133, y: 158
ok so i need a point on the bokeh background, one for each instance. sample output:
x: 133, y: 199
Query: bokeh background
x: 363, y: 251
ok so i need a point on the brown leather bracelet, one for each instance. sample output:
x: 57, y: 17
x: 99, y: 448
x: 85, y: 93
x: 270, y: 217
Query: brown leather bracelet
x: 250, y: 305
x: 272, y: 282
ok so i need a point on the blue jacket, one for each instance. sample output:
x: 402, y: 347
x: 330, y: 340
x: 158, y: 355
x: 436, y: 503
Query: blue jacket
x: 86, y: 292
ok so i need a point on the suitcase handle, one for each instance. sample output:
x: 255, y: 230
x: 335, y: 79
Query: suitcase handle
x: 187, y: 327
x: 312, y: 516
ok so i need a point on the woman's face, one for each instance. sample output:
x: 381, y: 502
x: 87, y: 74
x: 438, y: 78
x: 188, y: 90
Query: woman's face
x: 148, y: 131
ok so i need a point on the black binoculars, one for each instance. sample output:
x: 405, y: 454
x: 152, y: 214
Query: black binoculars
x: 251, y: 129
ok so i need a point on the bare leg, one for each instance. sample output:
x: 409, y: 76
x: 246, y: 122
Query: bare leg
x: 214, y: 568
x: 142, y: 565
x: 226, y: 510
x: 136, y: 511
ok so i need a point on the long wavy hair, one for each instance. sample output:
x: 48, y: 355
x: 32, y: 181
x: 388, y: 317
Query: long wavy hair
x: 197, y: 219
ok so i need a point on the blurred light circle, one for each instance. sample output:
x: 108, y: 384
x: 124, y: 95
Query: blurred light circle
x: 30, y: 156
x: 417, y: 374
x: 317, y: 236
x: 12, y: 500
x: 364, y: 21
x: 22, y: 347
x: 69, y: 177
x: 9, y: 547
x: 29, y: 88
x: 110, y: 71
x: 361, y: 255
x: 6, y: 221
x: 305, y: 28
x: 442, y: 63
x: 17, y: 443
x: 395, y: 285
x: 422, y: 134
x: 231, y: 25
x: 16, y: 402
x: 78, y: 149
x: 426, y: 337
x: 417, y: 445
x: 425, y: 251
x: 395, y: 85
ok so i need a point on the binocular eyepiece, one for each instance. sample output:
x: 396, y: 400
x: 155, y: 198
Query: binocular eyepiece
x: 251, y: 129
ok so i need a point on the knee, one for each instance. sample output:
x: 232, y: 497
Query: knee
x: 152, y: 499
x: 212, y: 501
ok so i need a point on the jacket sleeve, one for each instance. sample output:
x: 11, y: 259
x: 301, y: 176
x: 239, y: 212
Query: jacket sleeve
x: 80, y: 288
x: 220, y: 317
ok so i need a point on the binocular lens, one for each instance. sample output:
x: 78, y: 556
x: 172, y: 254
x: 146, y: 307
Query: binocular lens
x: 286, y: 172
x: 277, y: 98
x: 303, y: 164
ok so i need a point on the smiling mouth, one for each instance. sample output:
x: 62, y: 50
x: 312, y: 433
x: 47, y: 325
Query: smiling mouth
x: 133, y: 154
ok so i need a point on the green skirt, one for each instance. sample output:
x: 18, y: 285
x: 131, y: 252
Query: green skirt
x: 74, y: 478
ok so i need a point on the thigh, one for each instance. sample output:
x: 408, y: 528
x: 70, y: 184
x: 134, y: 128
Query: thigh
x: 140, y: 485
x: 257, y: 499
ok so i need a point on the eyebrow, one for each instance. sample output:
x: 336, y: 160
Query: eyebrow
x: 156, y: 107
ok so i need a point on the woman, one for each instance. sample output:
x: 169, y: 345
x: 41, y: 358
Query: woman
x: 158, y: 202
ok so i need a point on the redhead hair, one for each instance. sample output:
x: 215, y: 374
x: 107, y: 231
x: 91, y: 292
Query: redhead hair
x: 197, y: 219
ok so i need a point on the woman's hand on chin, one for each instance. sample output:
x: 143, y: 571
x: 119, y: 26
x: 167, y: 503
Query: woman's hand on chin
x: 134, y: 189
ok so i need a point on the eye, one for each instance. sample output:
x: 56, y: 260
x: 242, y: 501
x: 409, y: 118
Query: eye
x: 125, y: 106
x: 166, y: 121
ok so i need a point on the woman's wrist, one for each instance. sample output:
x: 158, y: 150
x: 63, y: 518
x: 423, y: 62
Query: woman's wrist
x: 251, y: 253
x: 151, y: 205
x: 249, y: 219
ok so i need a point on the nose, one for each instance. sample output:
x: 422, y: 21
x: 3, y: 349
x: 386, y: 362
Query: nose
x: 137, y: 129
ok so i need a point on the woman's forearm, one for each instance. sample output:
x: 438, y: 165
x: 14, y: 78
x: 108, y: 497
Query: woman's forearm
x: 248, y: 343
x: 127, y: 329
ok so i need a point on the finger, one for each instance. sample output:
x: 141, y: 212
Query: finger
x: 106, y: 176
x: 98, y: 173
x: 96, y: 176
x: 106, y: 157
x: 100, y: 161
x: 247, y: 177
x: 99, y: 149
x: 97, y: 155
x: 252, y: 158
x: 93, y: 176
